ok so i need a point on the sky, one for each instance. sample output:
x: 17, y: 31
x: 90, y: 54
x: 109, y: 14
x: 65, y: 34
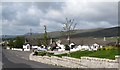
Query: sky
x: 19, y: 17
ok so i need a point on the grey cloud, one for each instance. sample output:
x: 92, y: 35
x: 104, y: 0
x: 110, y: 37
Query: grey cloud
x: 53, y: 14
x: 8, y: 12
x: 28, y: 21
x: 99, y: 12
x: 9, y: 9
x: 45, y: 6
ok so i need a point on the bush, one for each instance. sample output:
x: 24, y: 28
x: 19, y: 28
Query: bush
x: 53, y: 48
x: 99, y: 49
x: 67, y: 47
x: 35, y: 53
x: 49, y: 54
x: 109, y: 48
x: 19, y: 41
x: 102, y: 48
x: 42, y: 53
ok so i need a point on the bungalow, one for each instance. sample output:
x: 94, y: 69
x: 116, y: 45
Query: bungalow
x: 61, y: 47
x: 94, y: 47
x: 26, y: 47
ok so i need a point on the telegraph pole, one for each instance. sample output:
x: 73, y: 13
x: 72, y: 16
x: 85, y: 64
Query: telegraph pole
x: 30, y: 31
x: 45, y: 29
x: 45, y: 35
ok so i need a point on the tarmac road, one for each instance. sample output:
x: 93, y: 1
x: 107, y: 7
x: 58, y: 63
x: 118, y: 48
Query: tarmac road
x: 0, y: 58
x: 18, y: 59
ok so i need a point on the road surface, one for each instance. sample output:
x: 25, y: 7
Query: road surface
x: 0, y: 58
x: 15, y: 60
x: 18, y: 59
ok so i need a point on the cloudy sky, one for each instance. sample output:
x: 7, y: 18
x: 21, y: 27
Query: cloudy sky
x: 19, y: 17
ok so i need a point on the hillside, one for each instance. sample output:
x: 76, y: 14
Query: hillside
x: 8, y: 36
x: 98, y: 32
x: 58, y: 34
x: 108, y: 32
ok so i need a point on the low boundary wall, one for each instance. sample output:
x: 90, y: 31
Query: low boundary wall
x: 17, y: 49
x: 92, y: 62
x: 64, y: 61
x: 84, y: 62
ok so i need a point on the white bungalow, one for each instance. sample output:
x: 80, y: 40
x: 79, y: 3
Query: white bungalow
x: 95, y: 47
x: 72, y: 45
x: 26, y: 47
x: 84, y: 47
x: 60, y: 47
x: 34, y: 47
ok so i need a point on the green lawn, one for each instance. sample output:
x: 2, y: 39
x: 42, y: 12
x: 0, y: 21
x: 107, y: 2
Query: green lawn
x: 109, y: 54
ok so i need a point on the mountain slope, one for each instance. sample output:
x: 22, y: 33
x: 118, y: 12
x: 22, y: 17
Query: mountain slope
x: 108, y: 32
x: 98, y: 32
x: 58, y: 34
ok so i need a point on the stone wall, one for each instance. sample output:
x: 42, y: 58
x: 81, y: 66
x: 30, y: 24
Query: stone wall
x: 91, y: 62
x: 84, y: 62
x: 64, y: 61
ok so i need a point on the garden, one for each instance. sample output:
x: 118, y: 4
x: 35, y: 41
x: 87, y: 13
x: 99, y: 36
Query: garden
x: 108, y: 52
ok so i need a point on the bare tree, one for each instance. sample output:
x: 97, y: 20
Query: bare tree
x: 68, y: 28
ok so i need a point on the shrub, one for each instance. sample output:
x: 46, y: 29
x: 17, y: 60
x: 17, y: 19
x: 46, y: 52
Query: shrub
x: 99, y: 49
x: 109, y: 48
x: 19, y: 41
x: 102, y: 48
x: 83, y: 49
x: 53, y: 48
x: 35, y: 53
x: 42, y: 53
x: 49, y: 54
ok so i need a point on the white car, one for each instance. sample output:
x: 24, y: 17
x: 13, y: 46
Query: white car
x: 42, y: 49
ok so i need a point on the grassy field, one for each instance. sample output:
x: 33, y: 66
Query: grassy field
x: 109, y: 54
